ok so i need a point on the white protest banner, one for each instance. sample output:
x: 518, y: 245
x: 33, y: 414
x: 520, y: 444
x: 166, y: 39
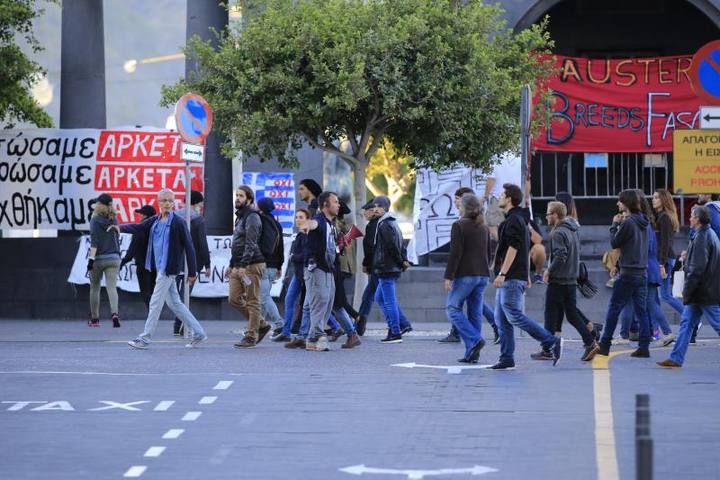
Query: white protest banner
x: 49, y: 178
x: 281, y: 188
x: 212, y: 286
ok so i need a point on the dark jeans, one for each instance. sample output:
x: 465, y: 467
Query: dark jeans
x: 562, y: 300
x: 368, y: 295
x: 628, y: 288
x: 341, y: 300
x: 146, y: 282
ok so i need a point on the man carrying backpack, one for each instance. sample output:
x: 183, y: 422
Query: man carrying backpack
x: 272, y: 248
x: 247, y: 267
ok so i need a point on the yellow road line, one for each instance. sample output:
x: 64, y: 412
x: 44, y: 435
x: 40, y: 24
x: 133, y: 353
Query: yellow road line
x: 605, y: 450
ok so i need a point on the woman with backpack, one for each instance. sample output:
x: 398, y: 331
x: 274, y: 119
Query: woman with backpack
x: 103, y: 259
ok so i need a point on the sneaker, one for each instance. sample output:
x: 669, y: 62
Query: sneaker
x: 94, y: 322
x: 405, y: 330
x: 450, y: 338
x: 262, y: 331
x: 590, y: 352
x: 542, y: 355
x: 621, y: 341
x: 195, y: 341
x: 641, y: 353
x: 503, y: 365
x: 669, y: 364
x: 604, y: 350
x: 473, y: 354
x: 335, y: 334
x: 667, y: 339
x: 361, y: 324
x: 352, y: 341
x: 610, y: 283
x: 538, y: 279
x: 392, y: 338
x: 557, y: 350
x: 246, y: 342
x: 116, y: 320
x: 319, y: 344
x: 296, y: 342
x: 139, y: 344
x: 496, y: 333
x: 281, y: 338
x: 276, y: 333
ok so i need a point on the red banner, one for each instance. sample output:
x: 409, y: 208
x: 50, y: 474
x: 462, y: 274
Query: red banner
x: 620, y: 105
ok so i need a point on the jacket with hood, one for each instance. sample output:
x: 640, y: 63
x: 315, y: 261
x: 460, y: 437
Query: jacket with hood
x: 514, y: 232
x: 388, y: 251
x: 631, y: 237
x: 565, y: 252
x: 245, y: 249
x: 297, y: 255
x: 702, y: 269
x: 368, y: 243
x: 320, y: 246
x: 106, y: 243
x: 199, y: 237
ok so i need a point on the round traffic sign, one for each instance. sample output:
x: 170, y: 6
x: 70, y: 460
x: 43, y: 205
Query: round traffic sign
x: 194, y: 118
x: 705, y: 73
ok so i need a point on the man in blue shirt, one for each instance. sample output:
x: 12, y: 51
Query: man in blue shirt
x: 168, y: 246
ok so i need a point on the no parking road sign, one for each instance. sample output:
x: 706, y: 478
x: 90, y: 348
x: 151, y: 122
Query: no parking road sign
x: 194, y: 118
x: 705, y: 73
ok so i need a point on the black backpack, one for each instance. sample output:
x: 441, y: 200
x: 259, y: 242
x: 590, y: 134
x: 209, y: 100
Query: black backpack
x: 269, y: 236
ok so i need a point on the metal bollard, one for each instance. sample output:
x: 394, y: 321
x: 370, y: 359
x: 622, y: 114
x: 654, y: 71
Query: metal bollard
x: 643, y: 439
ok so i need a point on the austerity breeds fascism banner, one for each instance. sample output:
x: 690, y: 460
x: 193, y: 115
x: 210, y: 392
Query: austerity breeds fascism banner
x: 619, y: 105
x: 49, y: 178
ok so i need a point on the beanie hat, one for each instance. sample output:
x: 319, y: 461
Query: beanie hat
x: 382, y: 201
x: 105, y: 199
x: 312, y: 185
x: 266, y: 205
x: 196, y: 197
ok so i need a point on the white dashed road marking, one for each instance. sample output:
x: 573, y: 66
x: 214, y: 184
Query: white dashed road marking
x: 207, y: 400
x: 173, y: 433
x: 135, y: 471
x: 154, y: 451
x: 163, y: 406
x: 223, y: 385
x: 191, y: 416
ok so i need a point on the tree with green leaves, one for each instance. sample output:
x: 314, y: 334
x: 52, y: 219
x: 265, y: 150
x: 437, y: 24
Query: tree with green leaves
x: 18, y: 73
x: 440, y: 79
x: 390, y: 172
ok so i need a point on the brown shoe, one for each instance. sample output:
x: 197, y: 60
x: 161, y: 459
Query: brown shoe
x: 669, y: 364
x: 590, y: 352
x: 296, y: 343
x: 246, y: 342
x: 262, y: 331
x: 352, y: 341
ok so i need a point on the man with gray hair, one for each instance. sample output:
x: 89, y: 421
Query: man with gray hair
x: 701, y: 293
x: 169, y: 245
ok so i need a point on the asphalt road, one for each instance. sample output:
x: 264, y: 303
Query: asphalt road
x: 78, y: 403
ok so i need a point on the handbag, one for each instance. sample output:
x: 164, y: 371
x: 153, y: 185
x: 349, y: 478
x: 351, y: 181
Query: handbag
x: 678, y: 283
x: 586, y: 287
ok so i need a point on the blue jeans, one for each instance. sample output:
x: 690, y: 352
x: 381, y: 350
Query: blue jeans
x: 368, y: 295
x: 341, y: 315
x: 666, y: 287
x: 690, y: 318
x: 628, y: 322
x: 291, y: 298
x: 468, y: 289
x: 628, y: 288
x: 386, y: 298
x: 509, y: 314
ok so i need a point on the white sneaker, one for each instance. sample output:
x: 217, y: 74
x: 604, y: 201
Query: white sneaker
x: 667, y: 339
x: 139, y: 344
x: 195, y: 341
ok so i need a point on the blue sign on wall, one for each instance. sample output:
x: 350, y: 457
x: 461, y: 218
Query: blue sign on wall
x: 281, y: 188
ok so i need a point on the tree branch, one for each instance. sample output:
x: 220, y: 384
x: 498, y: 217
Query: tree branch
x: 331, y: 149
x: 377, y: 140
x: 372, y: 187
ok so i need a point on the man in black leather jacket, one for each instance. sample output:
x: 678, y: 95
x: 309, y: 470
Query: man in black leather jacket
x: 701, y: 293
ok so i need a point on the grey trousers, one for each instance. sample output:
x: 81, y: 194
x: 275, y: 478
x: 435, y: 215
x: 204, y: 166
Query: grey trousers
x: 267, y: 304
x: 166, y: 292
x: 319, y: 297
x: 109, y: 268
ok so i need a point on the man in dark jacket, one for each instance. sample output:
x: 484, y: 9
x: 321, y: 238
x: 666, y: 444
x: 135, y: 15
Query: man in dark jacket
x: 389, y: 260
x: 136, y: 251
x: 169, y: 246
x: 247, y: 267
x: 701, y: 293
x: 561, y: 278
x: 511, y: 277
x: 369, y: 293
x: 273, y: 266
x: 199, y: 239
x: 629, y: 233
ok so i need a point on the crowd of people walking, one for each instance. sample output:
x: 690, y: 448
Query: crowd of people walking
x: 316, y: 307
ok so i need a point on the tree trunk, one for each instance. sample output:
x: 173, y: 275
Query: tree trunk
x: 360, y: 195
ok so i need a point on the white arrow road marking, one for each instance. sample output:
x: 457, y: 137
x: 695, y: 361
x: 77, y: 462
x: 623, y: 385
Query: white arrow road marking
x: 122, y: 406
x: 173, y: 433
x: 452, y: 369
x: 417, y: 474
x: 135, y: 471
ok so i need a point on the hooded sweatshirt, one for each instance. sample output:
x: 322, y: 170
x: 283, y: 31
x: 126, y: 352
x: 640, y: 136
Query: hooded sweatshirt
x: 631, y: 237
x: 565, y: 252
x: 106, y: 243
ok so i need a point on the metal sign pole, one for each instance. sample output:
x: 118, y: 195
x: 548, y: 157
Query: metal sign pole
x: 188, y: 218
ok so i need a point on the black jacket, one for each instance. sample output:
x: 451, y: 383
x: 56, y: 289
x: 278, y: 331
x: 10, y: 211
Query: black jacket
x: 388, y: 251
x: 199, y: 238
x: 564, y: 253
x: 702, y: 269
x: 245, y: 249
x: 277, y: 258
x: 631, y: 237
x: 665, y: 235
x: 316, y: 244
x: 514, y: 232
x: 297, y: 255
x: 137, y: 250
x: 368, y: 243
x: 180, y: 247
